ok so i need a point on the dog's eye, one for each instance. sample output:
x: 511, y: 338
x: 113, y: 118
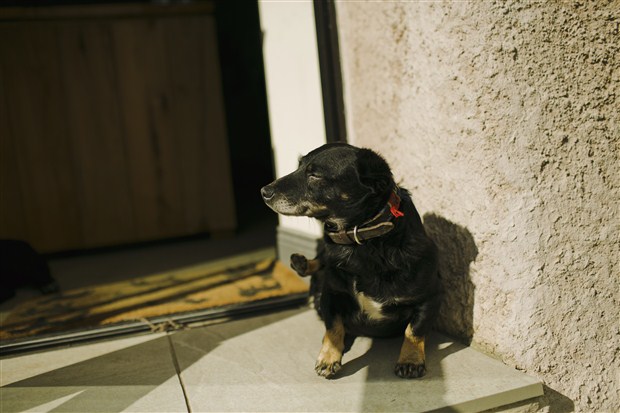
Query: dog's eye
x: 313, y: 177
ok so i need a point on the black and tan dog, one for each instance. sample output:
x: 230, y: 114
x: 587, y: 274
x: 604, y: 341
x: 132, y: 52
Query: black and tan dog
x: 376, y: 272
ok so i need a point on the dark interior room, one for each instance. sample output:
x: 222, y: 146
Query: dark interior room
x: 134, y: 140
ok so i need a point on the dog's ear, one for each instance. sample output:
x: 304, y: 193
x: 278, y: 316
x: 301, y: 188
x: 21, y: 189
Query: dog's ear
x: 373, y: 171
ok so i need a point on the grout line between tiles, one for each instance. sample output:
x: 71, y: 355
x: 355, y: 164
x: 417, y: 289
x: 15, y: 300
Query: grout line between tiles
x: 177, y: 367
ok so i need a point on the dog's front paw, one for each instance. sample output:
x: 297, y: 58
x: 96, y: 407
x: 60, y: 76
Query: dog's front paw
x: 410, y: 370
x: 327, y: 369
x: 300, y: 264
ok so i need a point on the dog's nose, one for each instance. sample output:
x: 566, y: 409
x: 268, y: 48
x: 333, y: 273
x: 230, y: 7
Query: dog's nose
x: 267, y: 192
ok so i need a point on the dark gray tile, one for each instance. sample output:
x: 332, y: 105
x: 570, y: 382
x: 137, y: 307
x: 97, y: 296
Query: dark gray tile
x: 130, y: 374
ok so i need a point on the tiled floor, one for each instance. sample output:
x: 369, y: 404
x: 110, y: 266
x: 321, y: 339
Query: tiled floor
x: 262, y: 363
x: 131, y: 374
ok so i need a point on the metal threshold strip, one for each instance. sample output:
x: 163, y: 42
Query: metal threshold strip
x: 82, y: 335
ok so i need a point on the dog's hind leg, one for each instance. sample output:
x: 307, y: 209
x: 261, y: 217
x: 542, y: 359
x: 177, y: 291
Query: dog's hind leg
x: 330, y: 357
x: 304, y: 266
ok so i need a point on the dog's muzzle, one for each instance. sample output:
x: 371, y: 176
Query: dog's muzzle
x: 280, y: 203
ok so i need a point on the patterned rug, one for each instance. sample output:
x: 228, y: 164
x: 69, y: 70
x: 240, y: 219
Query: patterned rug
x: 232, y: 281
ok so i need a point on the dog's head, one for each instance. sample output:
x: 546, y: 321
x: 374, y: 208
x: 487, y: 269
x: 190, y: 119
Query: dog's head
x: 338, y: 183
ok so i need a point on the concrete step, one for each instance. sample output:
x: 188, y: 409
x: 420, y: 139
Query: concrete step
x: 266, y: 363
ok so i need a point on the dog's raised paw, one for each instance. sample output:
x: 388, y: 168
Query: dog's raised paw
x: 410, y: 370
x: 299, y: 263
x: 327, y: 370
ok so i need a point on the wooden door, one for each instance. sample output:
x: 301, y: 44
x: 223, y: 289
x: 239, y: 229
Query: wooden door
x: 112, y: 127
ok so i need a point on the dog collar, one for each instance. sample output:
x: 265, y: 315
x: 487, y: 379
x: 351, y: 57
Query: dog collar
x: 377, y: 226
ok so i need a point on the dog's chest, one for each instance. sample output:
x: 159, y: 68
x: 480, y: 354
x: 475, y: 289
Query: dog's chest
x: 369, y: 307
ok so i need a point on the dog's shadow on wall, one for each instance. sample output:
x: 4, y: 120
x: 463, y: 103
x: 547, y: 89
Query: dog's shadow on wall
x: 457, y: 250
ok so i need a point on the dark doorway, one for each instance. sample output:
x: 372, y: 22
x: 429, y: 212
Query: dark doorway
x: 125, y: 123
x: 245, y: 111
x: 243, y: 76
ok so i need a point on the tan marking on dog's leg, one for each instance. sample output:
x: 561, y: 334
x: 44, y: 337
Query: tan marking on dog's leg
x: 411, y: 362
x: 330, y: 357
x: 313, y: 266
x: 304, y: 266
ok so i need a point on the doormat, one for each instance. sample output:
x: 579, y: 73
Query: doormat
x: 224, y: 284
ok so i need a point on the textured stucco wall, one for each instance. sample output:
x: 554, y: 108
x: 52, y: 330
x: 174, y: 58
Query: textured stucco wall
x: 502, y: 118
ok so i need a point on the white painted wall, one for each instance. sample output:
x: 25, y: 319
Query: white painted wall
x: 293, y: 89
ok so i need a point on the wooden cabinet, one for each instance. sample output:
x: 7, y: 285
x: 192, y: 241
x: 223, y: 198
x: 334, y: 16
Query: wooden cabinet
x: 112, y: 126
